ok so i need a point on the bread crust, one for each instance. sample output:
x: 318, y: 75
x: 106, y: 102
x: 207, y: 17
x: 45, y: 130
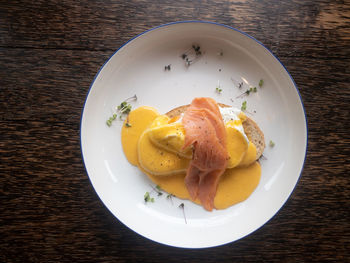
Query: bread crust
x: 251, y: 129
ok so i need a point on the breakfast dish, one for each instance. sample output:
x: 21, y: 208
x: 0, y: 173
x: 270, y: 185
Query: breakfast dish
x: 205, y: 152
x: 152, y: 66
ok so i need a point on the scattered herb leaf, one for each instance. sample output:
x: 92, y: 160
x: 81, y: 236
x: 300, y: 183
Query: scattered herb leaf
x: 127, y: 124
x: 197, y: 49
x: 244, y: 105
x: 148, y: 198
x: 236, y: 83
x: 123, y: 108
x: 191, y: 55
x: 218, y: 89
x: 261, y: 82
x: 167, y: 68
x: 247, y: 92
x: 170, y: 197
x: 157, y: 189
x: 271, y: 143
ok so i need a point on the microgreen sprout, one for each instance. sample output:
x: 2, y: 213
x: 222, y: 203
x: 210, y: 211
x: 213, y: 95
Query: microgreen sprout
x: 170, y: 197
x: 218, y: 88
x: 236, y: 83
x: 261, y: 82
x: 147, y: 197
x: 247, y: 92
x: 197, y: 49
x: 182, y: 206
x: 157, y: 189
x: 123, y: 109
x: 111, y: 119
x: 192, y: 55
x: 244, y: 105
x: 131, y: 98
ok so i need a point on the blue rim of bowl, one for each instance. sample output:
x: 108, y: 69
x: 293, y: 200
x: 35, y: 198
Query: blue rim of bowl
x: 243, y: 33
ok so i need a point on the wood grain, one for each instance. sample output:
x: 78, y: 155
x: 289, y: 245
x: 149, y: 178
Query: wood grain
x: 302, y: 28
x: 50, y: 52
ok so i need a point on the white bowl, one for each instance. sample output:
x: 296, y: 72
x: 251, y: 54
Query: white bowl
x: 230, y: 56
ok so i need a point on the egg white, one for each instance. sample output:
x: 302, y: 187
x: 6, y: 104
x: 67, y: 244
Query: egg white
x: 232, y: 114
x: 228, y: 114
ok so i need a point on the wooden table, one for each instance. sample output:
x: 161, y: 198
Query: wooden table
x: 50, y: 52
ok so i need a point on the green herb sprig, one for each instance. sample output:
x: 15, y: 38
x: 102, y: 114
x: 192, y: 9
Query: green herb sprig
x: 197, y: 49
x: 261, y: 83
x: 157, y: 189
x: 244, y: 105
x: 192, y: 55
x: 239, y: 85
x: 250, y: 90
x: 247, y: 92
x: 111, y: 119
x: 147, y: 197
x: 170, y: 197
x: 123, y: 109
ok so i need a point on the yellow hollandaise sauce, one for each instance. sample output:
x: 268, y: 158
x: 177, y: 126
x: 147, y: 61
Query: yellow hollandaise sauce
x: 153, y: 142
x: 138, y: 120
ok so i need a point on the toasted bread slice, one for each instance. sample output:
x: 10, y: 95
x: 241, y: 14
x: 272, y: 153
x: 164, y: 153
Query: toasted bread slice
x: 251, y: 129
